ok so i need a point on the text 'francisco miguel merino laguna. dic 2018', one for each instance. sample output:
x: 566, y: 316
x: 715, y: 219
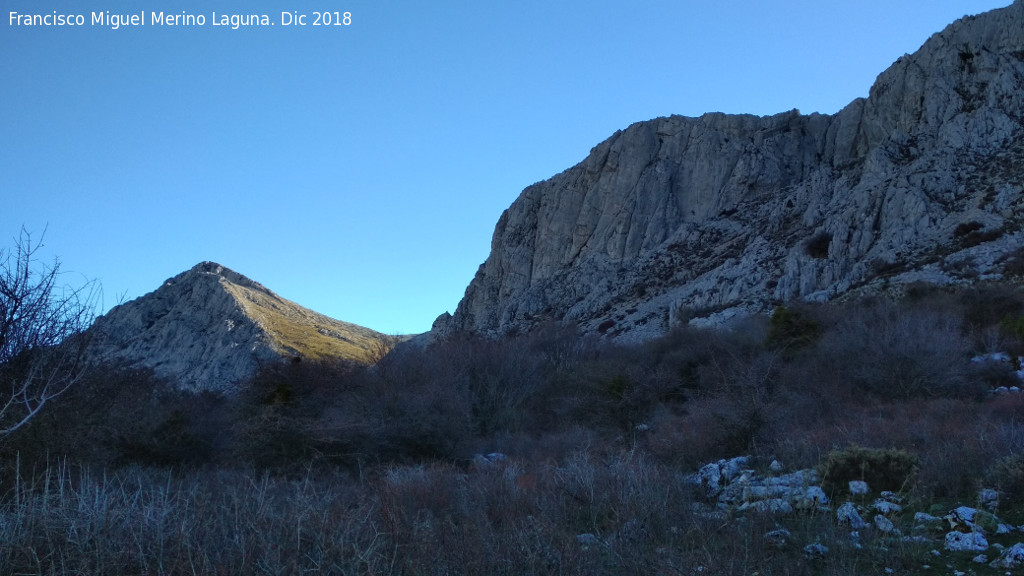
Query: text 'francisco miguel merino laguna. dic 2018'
x: 233, y: 21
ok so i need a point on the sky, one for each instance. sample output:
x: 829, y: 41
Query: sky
x: 359, y: 169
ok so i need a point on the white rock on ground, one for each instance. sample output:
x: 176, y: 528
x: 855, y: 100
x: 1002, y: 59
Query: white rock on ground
x: 885, y: 525
x: 858, y: 487
x: 1012, y: 557
x: 847, y: 515
x: 966, y: 542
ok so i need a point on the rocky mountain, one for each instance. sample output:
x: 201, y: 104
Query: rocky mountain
x: 678, y: 217
x: 210, y: 327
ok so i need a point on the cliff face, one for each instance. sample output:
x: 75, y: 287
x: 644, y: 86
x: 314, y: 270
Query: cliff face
x: 710, y: 216
x: 210, y: 327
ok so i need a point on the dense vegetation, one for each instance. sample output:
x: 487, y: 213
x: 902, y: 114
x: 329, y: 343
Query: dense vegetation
x: 334, y: 468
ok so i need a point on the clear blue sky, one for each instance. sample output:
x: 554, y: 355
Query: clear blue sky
x: 359, y: 170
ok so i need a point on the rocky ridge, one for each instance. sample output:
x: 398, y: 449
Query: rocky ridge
x: 210, y: 327
x: 678, y: 218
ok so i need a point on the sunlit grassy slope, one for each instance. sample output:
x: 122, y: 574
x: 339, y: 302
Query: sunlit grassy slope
x: 298, y: 331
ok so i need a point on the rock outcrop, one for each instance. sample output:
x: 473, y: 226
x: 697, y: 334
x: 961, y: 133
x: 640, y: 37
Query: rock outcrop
x: 679, y: 217
x: 210, y: 327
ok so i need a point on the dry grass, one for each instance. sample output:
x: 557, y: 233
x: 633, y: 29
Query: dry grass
x: 300, y: 332
x: 154, y: 522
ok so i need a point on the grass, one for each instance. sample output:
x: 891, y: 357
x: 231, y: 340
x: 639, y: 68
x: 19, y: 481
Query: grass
x: 155, y: 522
x: 301, y: 332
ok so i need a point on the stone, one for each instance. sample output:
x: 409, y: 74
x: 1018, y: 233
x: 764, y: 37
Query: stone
x: 988, y: 499
x: 816, y: 550
x: 810, y: 498
x: 966, y: 542
x: 769, y: 506
x: 924, y: 521
x: 980, y: 559
x: 734, y: 467
x: 733, y: 213
x: 776, y: 467
x: 710, y: 478
x: 778, y: 538
x: 887, y: 507
x: 858, y: 487
x: 961, y: 517
x: 847, y: 515
x: 1012, y: 557
x: 587, y: 540
x: 890, y: 496
x: 885, y: 525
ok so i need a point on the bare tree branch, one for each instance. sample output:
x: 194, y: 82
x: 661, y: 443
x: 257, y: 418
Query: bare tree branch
x: 41, y: 332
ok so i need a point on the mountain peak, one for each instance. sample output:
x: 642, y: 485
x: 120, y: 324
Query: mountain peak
x: 211, y: 327
x: 213, y: 269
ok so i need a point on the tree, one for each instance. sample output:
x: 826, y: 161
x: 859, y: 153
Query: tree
x: 42, y: 325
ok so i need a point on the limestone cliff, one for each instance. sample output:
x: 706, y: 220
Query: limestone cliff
x: 210, y: 327
x: 680, y: 217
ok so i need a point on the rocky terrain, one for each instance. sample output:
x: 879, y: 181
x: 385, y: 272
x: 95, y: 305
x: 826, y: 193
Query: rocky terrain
x: 735, y: 487
x: 680, y: 218
x: 211, y: 327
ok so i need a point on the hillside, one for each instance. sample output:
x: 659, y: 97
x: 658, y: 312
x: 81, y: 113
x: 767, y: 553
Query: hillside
x: 679, y: 218
x: 210, y: 327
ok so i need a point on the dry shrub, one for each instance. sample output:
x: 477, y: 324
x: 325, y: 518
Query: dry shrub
x: 118, y: 416
x: 791, y: 328
x: 987, y: 305
x: 899, y: 352
x: 706, y: 430
x: 1007, y: 476
x: 882, y: 469
x: 139, y: 521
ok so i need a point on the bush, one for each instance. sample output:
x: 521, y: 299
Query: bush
x: 900, y: 352
x: 882, y: 469
x: 791, y: 328
x: 279, y: 412
x: 987, y: 306
x: 817, y: 245
x: 1007, y: 476
x: 117, y: 416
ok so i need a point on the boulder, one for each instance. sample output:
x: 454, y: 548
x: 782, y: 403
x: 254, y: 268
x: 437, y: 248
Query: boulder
x: 858, y: 487
x: 847, y: 515
x: 966, y: 542
x: 885, y: 525
x: 1012, y: 557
